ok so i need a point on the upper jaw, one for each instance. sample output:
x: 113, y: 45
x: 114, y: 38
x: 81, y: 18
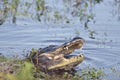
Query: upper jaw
x: 76, y: 43
x: 66, y: 60
x: 68, y: 48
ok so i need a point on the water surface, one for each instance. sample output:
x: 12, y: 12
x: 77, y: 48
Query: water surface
x: 101, y: 52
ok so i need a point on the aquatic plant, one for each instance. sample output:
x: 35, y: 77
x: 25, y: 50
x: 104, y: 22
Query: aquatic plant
x: 17, y: 69
x: 116, y: 9
x: 92, y: 73
x: 25, y: 69
x: 2, y: 58
x: 41, y: 10
x: 14, y: 8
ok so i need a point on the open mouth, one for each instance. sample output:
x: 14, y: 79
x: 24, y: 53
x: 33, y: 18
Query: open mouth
x: 65, y: 58
x: 60, y: 57
x: 68, y: 62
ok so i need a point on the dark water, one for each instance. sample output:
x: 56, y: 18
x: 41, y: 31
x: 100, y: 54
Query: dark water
x: 102, y: 52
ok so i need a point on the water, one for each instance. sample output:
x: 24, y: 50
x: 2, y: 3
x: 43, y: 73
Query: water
x: 102, y: 52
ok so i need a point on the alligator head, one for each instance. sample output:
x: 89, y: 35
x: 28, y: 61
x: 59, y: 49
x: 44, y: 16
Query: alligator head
x: 57, y: 58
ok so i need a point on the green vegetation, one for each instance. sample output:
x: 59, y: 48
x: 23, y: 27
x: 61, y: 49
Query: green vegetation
x: 27, y: 71
x: 92, y: 73
x: 40, y: 6
x: 40, y: 10
x: 23, y: 69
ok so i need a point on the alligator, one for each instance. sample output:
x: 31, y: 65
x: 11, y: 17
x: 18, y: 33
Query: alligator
x: 57, y: 59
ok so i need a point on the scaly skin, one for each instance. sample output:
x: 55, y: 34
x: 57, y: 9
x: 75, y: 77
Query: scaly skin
x: 49, y: 59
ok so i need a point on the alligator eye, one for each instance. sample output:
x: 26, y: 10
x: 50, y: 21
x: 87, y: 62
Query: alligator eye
x: 65, y: 47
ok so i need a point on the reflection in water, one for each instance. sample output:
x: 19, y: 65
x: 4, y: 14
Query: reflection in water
x: 102, y: 51
x: 116, y: 8
x: 65, y: 11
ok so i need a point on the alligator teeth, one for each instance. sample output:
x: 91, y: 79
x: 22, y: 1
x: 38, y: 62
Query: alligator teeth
x: 66, y: 62
x: 58, y: 56
x: 50, y: 58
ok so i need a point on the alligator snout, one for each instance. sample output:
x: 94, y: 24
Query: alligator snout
x: 57, y: 58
